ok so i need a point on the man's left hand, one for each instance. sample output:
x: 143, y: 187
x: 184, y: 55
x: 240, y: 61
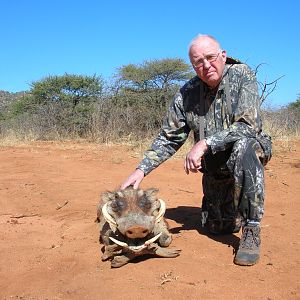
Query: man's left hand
x: 193, y: 158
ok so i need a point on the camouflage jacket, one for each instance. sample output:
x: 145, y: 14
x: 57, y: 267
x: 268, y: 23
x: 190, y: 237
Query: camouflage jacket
x: 221, y: 128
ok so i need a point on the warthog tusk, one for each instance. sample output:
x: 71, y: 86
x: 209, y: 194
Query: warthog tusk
x: 108, y: 218
x: 161, y: 211
x: 136, y: 248
x: 152, y: 240
x: 122, y: 244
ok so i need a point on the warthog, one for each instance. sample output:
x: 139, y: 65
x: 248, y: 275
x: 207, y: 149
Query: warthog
x: 132, y: 224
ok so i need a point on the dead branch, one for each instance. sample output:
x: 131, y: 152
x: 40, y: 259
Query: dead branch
x: 165, y: 280
x: 59, y: 206
x: 186, y: 191
x: 23, y: 216
x: 257, y: 67
x: 268, y: 88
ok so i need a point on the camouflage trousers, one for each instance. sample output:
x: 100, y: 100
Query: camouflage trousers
x: 233, y: 186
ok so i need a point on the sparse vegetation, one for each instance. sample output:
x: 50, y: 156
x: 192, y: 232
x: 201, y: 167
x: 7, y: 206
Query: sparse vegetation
x: 129, y: 108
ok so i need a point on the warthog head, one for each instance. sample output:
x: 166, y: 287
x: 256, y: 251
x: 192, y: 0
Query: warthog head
x: 132, y: 221
x: 133, y: 212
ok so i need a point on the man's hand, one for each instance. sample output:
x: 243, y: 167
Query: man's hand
x: 134, y: 179
x: 193, y: 158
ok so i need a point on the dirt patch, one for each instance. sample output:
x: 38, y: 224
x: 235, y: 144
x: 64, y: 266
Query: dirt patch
x: 49, y: 241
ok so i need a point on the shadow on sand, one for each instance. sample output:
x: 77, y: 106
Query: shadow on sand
x: 190, y: 219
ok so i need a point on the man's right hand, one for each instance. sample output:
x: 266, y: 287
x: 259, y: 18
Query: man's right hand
x: 134, y: 179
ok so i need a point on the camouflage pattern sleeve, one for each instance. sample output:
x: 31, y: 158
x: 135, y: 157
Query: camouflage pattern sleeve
x: 245, y: 119
x: 173, y: 134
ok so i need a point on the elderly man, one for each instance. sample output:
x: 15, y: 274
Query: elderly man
x: 221, y: 106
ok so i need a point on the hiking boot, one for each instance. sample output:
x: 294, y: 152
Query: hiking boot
x: 248, y: 252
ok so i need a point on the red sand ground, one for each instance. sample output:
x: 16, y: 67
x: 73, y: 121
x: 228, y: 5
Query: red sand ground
x: 50, y: 253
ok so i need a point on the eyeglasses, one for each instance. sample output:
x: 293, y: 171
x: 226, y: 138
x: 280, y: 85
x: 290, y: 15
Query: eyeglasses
x: 210, y: 58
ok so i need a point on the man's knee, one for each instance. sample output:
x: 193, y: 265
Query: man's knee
x: 246, y: 145
x: 243, y: 151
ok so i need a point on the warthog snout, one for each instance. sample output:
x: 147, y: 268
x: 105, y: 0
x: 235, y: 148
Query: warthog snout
x: 137, y: 232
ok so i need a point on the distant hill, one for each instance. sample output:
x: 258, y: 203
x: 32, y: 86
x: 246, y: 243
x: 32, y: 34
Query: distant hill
x: 7, y: 98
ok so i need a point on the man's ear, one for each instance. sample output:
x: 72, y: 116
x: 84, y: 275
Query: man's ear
x: 224, y: 56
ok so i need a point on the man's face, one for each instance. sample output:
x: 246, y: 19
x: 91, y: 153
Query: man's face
x: 208, y: 60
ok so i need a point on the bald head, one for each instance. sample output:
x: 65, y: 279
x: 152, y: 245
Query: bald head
x: 207, y: 59
x: 202, y: 40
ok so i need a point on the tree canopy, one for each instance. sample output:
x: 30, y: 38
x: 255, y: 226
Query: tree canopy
x: 151, y: 82
x: 67, y: 88
x: 155, y: 74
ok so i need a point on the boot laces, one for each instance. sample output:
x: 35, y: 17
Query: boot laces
x: 250, y: 238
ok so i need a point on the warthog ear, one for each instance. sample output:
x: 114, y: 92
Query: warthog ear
x: 108, y: 196
x: 151, y: 194
x: 140, y: 192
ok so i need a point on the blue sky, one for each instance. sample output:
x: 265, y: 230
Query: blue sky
x: 43, y: 37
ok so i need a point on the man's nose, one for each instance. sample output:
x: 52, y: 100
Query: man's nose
x: 206, y: 64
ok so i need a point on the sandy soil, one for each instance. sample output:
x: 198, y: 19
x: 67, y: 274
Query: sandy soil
x: 49, y: 241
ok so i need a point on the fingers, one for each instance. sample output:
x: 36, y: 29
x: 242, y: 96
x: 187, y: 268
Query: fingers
x: 186, y: 169
x: 134, y: 179
x: 192, y: 161
x: 129, y: 182
x: 191, y: 165
x: 124, y: 185
x: 136, y: 184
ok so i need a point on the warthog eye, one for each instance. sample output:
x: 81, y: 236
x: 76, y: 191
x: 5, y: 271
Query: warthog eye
x: 144, y: 203
x: 118, y: 205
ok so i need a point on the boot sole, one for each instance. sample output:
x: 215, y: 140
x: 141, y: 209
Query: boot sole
x: 244, y: 263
